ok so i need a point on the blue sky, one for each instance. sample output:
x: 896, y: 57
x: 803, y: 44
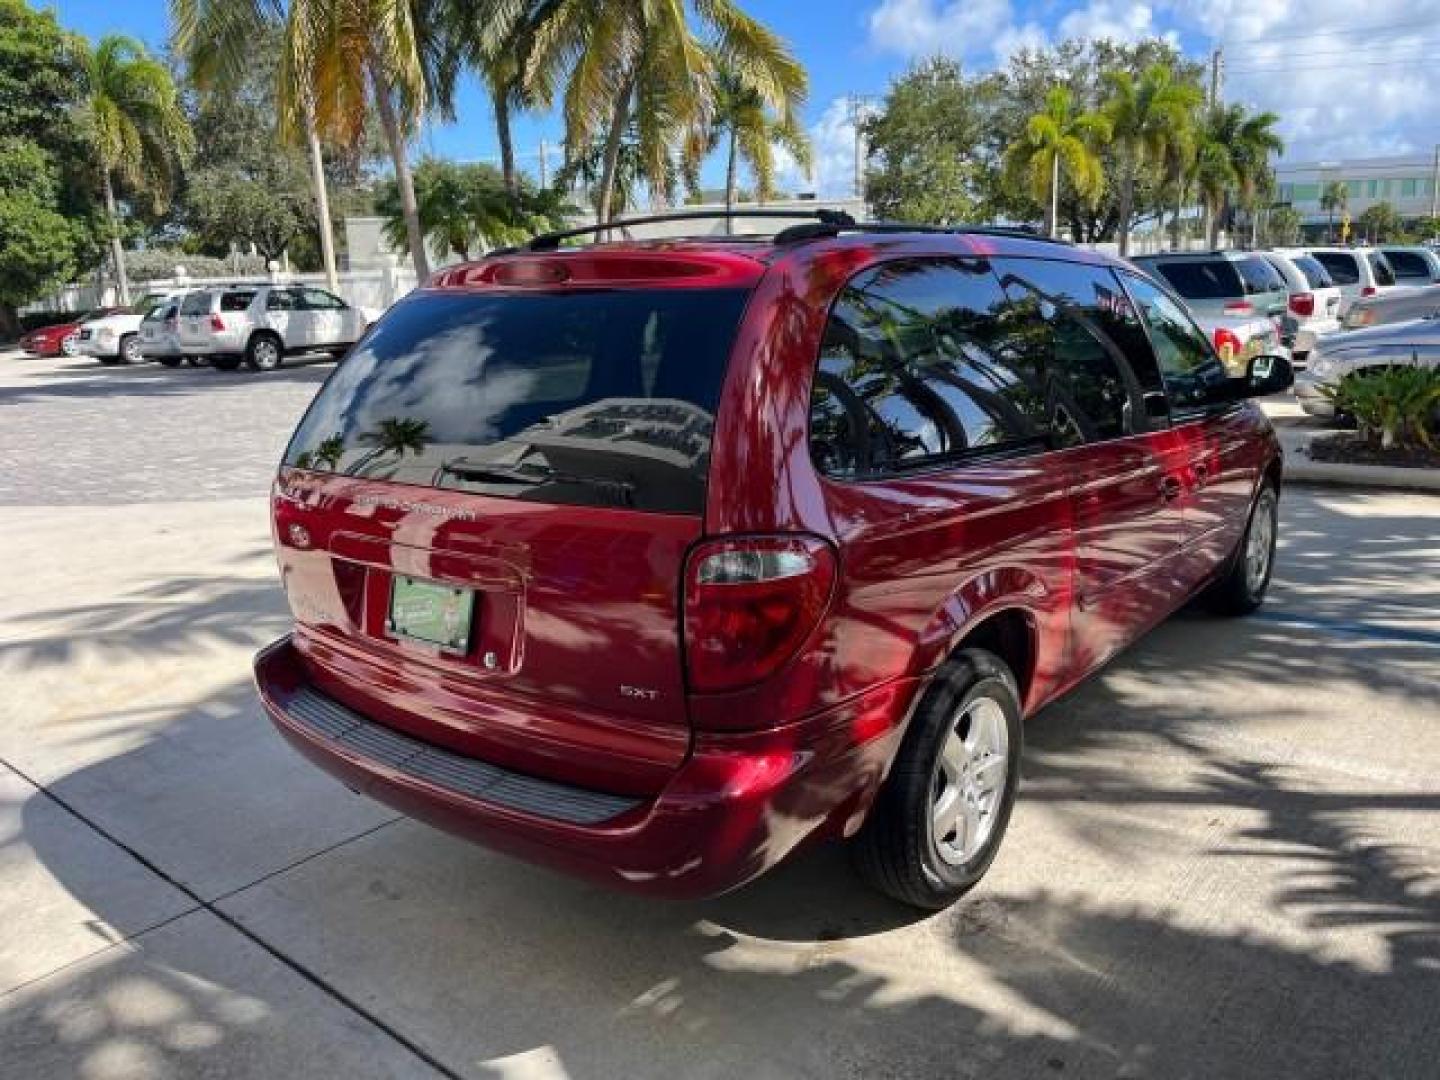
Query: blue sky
x: 1347, y: 79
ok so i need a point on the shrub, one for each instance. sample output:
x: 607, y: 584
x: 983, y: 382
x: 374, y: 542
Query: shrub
x: 154, y: 264
x: 1395, y: 406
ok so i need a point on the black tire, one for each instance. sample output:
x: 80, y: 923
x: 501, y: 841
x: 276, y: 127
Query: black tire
x: 170, y: 361
x: 1242, y: 587
x: 225, y: 363
x: 130, y: 350
x: 897, y: 850
x: 265, y: 352
x: 109, y: 361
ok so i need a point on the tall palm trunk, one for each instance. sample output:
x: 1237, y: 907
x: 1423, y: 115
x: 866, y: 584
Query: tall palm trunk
x: 619, y: 117
x: 117, y: 249
x: 1126, y: 209
x: 500, y: 96
x: 409, y: 209
x: 1052, y: 211
x: 731, y: 161
x: 322, y: 202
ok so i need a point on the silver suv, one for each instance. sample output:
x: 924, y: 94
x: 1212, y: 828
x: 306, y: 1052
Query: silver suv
x: 262, y: 324
x: 1222, y: 284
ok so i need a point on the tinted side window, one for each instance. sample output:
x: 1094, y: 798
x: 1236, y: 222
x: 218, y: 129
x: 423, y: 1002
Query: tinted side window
x: 913, y: 369
x: 196, y: 304
x: 1343, y: 268
x: 1193, y: 373
x: 1381, y: 269
x: 1258, y: 276
x: 236, y: 301
x: 282, y: 300
x: 1315, y: 273
x: 1195, y: 279
x: 1076, y: 324
x: 1408, y: 265
x: 320, y: 300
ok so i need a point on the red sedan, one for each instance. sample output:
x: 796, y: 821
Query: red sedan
x: 61, y: 338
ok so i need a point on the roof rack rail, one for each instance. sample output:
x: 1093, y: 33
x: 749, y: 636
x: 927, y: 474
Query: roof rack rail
x: 812, y: 230
x: 551, y: 240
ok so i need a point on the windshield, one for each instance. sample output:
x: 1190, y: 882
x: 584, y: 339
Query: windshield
x: 602, y: 397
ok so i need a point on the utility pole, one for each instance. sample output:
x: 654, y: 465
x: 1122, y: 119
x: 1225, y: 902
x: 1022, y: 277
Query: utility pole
x: 1435, y: 191
x: 858, y: 108
x: 1217, y: 75
x: 544, y: 162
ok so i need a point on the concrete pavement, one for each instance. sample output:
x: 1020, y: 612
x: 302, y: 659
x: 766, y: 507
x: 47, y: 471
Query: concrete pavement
x: 1225, y: 861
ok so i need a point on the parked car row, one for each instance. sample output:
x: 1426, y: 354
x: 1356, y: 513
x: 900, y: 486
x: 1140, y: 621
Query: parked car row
x: 1305, y: 293
x: 227, y: 325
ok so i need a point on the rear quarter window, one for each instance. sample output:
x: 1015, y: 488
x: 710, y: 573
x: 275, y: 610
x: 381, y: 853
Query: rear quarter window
x: 1258, y: 276
x: 601, y: 397
x: 1384, y: 275
x: 1408, y: 265
x: 1201, y: 279
x: 236, y: 301
x: 1316, y: 276
x: 196, y: 304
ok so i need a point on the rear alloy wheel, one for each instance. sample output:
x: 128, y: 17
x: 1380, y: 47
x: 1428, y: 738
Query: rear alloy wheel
x: 938, y: 821
x: 130, y: 350
x: 1243, y: 587
x: 263, y: 353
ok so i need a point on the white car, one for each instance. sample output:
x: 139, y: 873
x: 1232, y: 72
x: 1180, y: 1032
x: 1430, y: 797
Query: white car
x: 1359, y: 272
x: 1314, y: 306
x: 262, y: 324
x: 115, y: 338
x: 160, y: 334
x: 1405, y: 344
x: 1239, y: 338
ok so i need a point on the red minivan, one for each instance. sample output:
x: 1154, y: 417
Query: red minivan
x: 654, y: 561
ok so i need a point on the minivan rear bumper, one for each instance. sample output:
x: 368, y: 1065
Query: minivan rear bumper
x: 738, y: 805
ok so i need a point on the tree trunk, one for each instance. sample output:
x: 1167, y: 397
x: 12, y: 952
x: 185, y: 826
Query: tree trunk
x: 117, y: 249
x: 1052, y: 211
x: 322, y: 202
x: 1126, y: 211
x: 1212, y: 224
x: 507, y: 143
x: 618, y: 119
x: 403, y: 180
x: 730, y: 164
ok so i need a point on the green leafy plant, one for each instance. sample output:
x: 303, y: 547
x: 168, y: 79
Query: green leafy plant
x: 1395, y: 406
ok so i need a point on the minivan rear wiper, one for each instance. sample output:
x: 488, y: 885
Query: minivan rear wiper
x: 621, y: 491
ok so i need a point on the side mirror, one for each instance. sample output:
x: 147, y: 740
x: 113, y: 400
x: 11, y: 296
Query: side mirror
x: 1266, y: 374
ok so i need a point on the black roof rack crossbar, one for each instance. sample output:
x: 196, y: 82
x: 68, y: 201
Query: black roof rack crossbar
x: 552, y: 240
x: 812, y: 230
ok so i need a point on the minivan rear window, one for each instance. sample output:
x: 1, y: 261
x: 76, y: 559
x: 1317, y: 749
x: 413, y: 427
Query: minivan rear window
x: 1202, y: 279
x: 602, y: 398
x: 1342, y: 266
x: 1259, y: 276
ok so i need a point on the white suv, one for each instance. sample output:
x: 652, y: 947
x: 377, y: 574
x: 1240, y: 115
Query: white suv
x: 1314, y: 307
x: 262, y: 324
x: 115, y: 338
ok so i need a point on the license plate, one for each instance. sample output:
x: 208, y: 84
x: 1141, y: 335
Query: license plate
x: 84, y: 335
x: 430, y: 612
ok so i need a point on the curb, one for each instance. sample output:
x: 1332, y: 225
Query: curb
x: 1299, y: 469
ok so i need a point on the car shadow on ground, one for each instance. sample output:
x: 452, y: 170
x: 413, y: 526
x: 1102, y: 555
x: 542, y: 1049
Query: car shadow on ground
x: 494, y: 967
x: 88, y: 379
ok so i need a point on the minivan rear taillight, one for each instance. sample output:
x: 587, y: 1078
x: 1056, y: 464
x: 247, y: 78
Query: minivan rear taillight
x: 1302, y: 304
x: 217, y: 324
x: 750, y: 603
x: 1228, y: 343
x: 1239, y: 307
x: 1369, y: 290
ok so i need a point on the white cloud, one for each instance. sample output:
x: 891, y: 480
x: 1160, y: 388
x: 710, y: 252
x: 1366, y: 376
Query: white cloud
x: 832, y: 142
x: 1346, y: 81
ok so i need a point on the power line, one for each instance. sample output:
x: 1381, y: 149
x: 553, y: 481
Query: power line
x: 1300, y: 68
x: 1333, y: 31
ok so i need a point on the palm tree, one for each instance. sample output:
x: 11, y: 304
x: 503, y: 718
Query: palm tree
x: 1255, y: 141
x: 340, y: 59
x: 132, y: 117
x: 750, y: 131
x: 492, y: 37
x: 215, y: 37
x: 638, y: 65
x: 1335, y: 196
x: 1146, y: 115
x: 1215, y: 177
x: 1057, y: 140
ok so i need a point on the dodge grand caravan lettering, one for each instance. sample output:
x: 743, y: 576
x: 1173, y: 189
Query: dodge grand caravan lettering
x: 654, y: 561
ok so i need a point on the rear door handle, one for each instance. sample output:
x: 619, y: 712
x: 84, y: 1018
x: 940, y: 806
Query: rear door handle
x: 1170, y: 489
